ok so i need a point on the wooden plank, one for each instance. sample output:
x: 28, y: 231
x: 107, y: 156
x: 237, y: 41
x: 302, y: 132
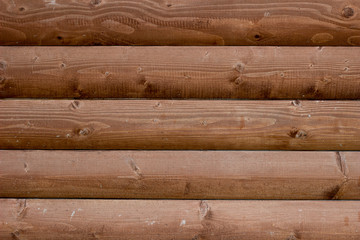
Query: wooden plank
x: 179, y: 174
x: 351, y: 187
x: 181, y: 22
x: 180, y: 72
x: 178, y: 219
x: 150, y: 124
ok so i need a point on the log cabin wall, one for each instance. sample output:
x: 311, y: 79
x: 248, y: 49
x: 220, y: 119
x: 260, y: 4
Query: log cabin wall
x: 193, y: 119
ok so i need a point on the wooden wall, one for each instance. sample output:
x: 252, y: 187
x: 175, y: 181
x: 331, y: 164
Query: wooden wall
x: 180, y: 174
x: 160, y: 134
x: 178, y: 219
x: 178, y: 124
x: 181, y: 22
x: 181, y: 72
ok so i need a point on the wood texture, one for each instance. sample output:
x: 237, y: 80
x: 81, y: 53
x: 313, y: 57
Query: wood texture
x: 180, y: 72
x: 180, y: 174
x: 181, y: 22
x: 161, y: 219
x: 151, y: 124
x: 351, y: 170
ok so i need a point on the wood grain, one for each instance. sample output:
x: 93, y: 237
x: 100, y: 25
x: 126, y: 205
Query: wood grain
x: 179, y: 174
x: 351, y: 170
x: 180, y: 72
x: 178, y: 219
x: 151, y: 124
x: 180, y: 22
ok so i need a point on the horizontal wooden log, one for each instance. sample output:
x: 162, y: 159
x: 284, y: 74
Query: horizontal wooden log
x: 181, y: 22
x: 180, y: 72
x: 196, y: 125
x: 178, y: 219
x: 180, y: 174
x: 351, y: 170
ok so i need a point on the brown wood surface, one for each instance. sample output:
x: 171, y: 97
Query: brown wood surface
x: 351, y: 169
x: 180, y: 72
x: 179, y: 219
x: 187, y: 124
x: 180, y: 174
x: 180, y: 22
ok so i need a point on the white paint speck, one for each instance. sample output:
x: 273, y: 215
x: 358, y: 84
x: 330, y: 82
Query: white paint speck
x: 300, y: 210
x: 309, y: 115
x: 72, y: 214
x: 38, y: 208
x: 150, y: 222
x: 57, y: 136
x: 80, y: 209
x: 183, y: 222
x: 44, y: 211
x: 266, y: 14
x: 119, y: 215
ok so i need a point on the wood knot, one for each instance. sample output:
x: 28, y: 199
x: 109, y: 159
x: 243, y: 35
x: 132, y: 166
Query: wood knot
x: 157, y: 105
x: 296, y: 103
x: 239, y: 67
x: 257, y: 37
x: 348, y: 12
x: 15, y: 235
x: 326, y: 79
x: 297, y: 133
x: 21, y: 9
x: 238, y: 81
x: 196, y: 237
x: 83, y: 132
x: 95, y: 2
x: 294, y: 235
x: 74, y: 105
x: 134, y: 168
x: 3, y: 65
x: 204, y: 210
x: 21, y: 208
x: 142, y: 80
x: 62, y: 65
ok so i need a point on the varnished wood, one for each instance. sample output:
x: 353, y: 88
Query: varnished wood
x: 178, y: 219
x: 180, y: 22
x: 180, y: 174
x: 167, y: 124
x: 180, y: 72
